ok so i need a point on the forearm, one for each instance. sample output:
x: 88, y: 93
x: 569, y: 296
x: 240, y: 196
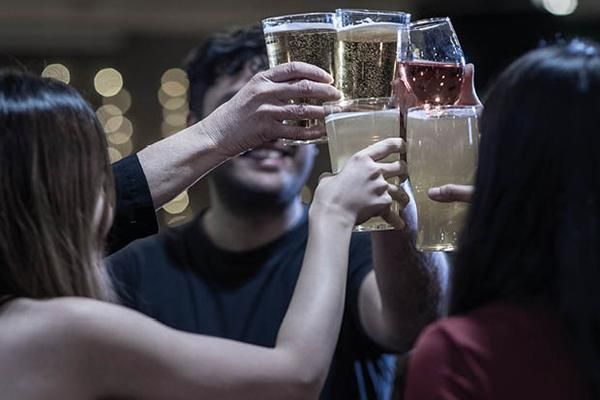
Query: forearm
x: 412, y: 286
x: 311, y: 326
x: 177, y: 162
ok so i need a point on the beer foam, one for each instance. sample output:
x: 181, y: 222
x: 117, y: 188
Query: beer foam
x: 299, y: 26
x: 442, y: 113
x: 370, y: 32
x: 391, y: 113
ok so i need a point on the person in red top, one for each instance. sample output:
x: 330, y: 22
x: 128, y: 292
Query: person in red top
x: 525, y: 306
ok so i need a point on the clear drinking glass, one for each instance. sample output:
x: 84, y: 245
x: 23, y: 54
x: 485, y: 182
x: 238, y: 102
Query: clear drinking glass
x: 430, y: 61
x: 366, y: 51
x: 443, y: 145
x: 309, y: 38
x: 353, y: 125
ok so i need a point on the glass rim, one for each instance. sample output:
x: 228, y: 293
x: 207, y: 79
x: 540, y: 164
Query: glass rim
x: 293, y: 16
x: 429, y: 22
x: 475, y: 108
x: 362, y: 100
x: 371, y: 11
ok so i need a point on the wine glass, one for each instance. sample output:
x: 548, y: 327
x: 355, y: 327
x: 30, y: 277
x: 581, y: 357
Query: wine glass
x: 431, y: 62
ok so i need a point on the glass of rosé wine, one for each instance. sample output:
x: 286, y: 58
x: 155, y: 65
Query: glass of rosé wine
x: 430, y: 62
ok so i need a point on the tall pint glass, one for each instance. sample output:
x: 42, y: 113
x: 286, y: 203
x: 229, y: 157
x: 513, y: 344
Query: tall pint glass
x: 442, y: 147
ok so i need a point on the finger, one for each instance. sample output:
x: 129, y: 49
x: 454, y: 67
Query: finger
x: 305, y: 89
x: 399, y: 195
x: 393, y: 219
x: 299, y: 112
x: 450, y: 193
x: 468, y: 94
x: 297, y: 70
x: 384, y: 148
x: 300, y: 132
x: 393, y: 169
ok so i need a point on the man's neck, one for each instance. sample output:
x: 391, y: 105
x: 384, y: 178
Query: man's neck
x: 238, y: 232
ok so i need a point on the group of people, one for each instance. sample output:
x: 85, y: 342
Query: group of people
x: 263, y: 297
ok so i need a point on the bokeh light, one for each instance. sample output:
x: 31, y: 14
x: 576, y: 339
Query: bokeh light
x: 306, y: 194
x: 58, y: 72
x: 106, y: 112
x: 124, y: 148
x: 121, y: 100
x: 178, y: 204
x: 176, y: 119
x: 174, y: 75
x: 114, y: 155
x: 560, y: 7
x: 108, y: 82
x: 123, y: 132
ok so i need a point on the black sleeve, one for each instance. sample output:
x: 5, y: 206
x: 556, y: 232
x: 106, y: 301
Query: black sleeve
x: 134, y: 213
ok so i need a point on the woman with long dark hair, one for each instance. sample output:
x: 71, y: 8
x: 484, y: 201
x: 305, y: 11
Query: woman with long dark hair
x: 60, y: 339
x: 526, y: 304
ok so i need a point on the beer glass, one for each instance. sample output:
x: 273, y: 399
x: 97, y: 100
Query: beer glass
x: 309, y: 38
x: 366, y: 51
x: 431, y: 61
x: 442, y: 149
x: 353, y: 125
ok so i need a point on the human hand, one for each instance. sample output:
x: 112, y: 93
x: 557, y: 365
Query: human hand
x: 449, y: 193
x: 360, y: 191
x: 256, y: 113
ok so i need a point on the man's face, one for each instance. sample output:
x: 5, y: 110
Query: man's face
x: 273, y: 170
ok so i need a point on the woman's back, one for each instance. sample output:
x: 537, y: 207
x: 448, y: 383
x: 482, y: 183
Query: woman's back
x: 500, y: 351
x: 36, y: 361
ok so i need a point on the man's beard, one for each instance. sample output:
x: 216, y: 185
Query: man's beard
x: 243, y: 199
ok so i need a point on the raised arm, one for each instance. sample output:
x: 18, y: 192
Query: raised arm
x: 407, y: 289
x: 139, y: 358
x: 252, y: 117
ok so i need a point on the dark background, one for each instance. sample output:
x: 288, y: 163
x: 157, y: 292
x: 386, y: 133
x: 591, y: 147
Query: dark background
x: 144, y: 38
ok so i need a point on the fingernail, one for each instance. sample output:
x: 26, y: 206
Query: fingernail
x: 434, y: 192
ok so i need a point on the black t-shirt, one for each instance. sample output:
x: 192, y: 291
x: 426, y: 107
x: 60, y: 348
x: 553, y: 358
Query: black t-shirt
x: 183, y: 280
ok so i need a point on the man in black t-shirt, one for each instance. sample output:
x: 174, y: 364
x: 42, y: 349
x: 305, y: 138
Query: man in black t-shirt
x: 232, y: 270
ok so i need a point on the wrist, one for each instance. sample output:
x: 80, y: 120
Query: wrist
x: 331, y: 214
x: 211, y: 135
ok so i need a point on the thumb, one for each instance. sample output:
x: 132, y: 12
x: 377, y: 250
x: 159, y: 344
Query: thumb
x: 468, y: 94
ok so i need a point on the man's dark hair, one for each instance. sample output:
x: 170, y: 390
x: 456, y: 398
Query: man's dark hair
x: 533, y: 233
x: 223, y: 54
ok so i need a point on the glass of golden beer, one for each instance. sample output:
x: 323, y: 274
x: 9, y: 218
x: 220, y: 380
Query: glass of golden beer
x: 309, y: 38
x: 353, y: 125
x: 443, y: 145
x: 366, y: 51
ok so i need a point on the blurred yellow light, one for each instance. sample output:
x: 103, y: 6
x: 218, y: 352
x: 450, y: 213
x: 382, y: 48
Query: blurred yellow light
x: 108, y: 82
x: 176, y: 119
x: 560, y: 7
x: 168, y: 130
x: 114, y: 155
x: 175, y: 75
x: 121, y: 100
x: 178, y: 204
x: 163, y: 98
x: 106, y: 112
x: 174, y: 89
x: 58, y: 72
x: 176, y: 103
x: 180, y: 218
x: 113, y: 123
x: 125, y: 148
x: 306, y: 195
x: 123, y: 133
